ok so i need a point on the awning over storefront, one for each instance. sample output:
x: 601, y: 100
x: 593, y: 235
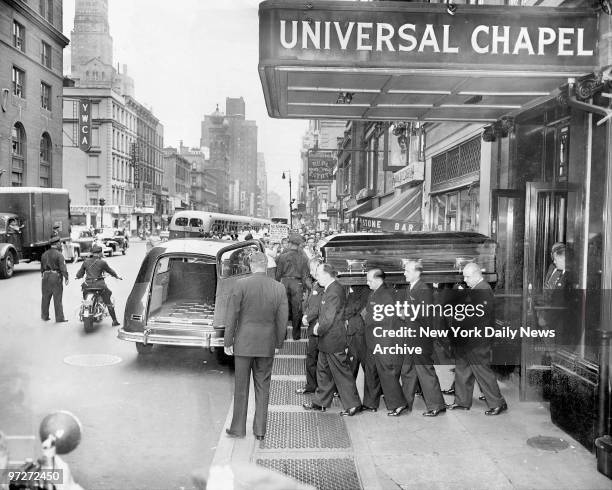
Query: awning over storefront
x: 360, y: 208
x: 402, y: 213
x: 413, y: 61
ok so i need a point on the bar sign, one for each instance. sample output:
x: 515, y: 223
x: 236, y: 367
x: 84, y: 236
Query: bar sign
x: 85, y: 124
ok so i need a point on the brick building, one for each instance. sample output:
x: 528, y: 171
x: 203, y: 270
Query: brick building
x: 31, y: 50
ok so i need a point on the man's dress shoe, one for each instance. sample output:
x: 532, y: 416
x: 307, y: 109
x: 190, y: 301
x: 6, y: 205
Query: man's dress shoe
x: 303, y: 391
x: 349, y: 412
x: 233, y: 434
x: 497, y: 410
x: 259, y: 438
x: 314, y: 406
x: 455, y: 406
x: 368, y: 409
x: 482, y: 398
x: 397, y: 412
x: 434, y: 413
x: 450, y: 391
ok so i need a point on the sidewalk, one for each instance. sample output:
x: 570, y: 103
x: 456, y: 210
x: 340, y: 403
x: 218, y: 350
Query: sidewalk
x: 456, y: 450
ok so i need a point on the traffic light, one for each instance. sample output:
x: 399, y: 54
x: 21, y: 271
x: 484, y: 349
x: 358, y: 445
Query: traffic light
x: 102, y: 201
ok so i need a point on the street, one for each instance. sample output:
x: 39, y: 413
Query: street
x: 147, y: 423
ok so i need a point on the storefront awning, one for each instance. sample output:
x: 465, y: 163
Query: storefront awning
x: 402, y: 213
x: 412, y: 61
x: 360, y: 208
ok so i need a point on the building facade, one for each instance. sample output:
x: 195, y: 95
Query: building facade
x: 316, y: 193
x: 512, y: 142
x: 31, y: 50
x: 232, y: 140
x: 203, y: 194
x: 261, y: 205
x: 106, y: 170
x: 177, y: 179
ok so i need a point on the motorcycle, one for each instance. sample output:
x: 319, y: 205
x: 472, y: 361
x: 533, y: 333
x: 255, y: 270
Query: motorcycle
x: 92, y: 310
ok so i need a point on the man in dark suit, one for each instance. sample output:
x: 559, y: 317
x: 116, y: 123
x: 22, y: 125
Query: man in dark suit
x: 473, y: 354
x: 356, y: 301
x: 256, y: 325
x: 384, y: 376
x: 333, y: 366
x: 418, y: 368
x: 311, y: 312
x: 292, y: 272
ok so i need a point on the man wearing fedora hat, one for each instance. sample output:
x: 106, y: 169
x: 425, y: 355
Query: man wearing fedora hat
x: 53, y: 269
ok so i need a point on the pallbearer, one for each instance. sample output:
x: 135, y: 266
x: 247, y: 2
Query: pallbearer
x: 418, y: 368
x: 473, y: 355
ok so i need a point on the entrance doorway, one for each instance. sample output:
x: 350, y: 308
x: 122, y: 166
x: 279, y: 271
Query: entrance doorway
x: 546, y: 207
x: 508, y: 230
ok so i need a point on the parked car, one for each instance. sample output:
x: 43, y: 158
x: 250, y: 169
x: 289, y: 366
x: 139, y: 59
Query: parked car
x: 81, y: 241
x: 181, y: 293
x: 113, y: 239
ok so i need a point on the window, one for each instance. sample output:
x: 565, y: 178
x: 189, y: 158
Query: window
x: 18, y: 82
x: 45, y: 54
x: 45, y: 96
x: 95, y: 136
x: 45, y: 160
x: 45, y: 8
x: 93, y: 197
x: 18, y: 155
x: 456, y: 210
x: 181, y: 222
x: 93, y: 166
x: 18, y: 36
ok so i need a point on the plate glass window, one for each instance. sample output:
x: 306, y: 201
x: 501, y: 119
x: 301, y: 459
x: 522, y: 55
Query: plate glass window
x: 45, y: 96
x: 18, y: 82
x: 18, y: 36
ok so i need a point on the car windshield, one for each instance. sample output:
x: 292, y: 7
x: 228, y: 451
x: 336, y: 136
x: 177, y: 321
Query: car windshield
x: 3, y: 223
x: 106, y: 233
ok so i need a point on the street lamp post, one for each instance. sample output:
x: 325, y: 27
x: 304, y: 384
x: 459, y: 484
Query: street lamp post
x: 290, y: 201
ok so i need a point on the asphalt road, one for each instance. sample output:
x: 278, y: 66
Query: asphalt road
x: 147, y: 422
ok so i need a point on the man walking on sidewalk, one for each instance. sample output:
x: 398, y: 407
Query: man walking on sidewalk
x: 473, y: 355
x: 383, y: 370
x: 53, y: 270
x: 255, y: 330
x: 419, y: 368
x: 311, y: 313
x: 333, y: 365
x: 292, y: 272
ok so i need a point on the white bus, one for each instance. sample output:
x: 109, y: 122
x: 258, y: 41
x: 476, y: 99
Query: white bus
x: 186, y: 224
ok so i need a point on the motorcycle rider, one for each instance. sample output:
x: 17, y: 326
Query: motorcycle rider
x: 93, y: 268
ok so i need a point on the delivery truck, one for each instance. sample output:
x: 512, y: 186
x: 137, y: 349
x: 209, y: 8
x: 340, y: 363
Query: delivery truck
x: 29, y: 217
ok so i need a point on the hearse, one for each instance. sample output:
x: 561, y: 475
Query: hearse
x: 181, y: 292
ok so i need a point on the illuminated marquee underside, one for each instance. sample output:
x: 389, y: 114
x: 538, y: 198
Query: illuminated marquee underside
x: 414, y: 61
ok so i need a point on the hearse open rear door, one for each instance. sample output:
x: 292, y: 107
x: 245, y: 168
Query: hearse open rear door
x: 233, y: 263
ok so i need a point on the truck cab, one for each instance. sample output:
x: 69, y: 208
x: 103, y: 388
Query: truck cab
x: 29, y: 217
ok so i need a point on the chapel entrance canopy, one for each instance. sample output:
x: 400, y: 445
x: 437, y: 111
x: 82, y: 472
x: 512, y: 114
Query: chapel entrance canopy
x: 413, y: 61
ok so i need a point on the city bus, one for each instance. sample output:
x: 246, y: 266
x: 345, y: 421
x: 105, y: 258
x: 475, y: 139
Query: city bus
x: 186, y: 224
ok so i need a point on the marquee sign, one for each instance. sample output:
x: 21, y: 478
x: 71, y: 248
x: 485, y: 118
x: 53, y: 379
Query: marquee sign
x: 415, y: 62
x: 383, y: 34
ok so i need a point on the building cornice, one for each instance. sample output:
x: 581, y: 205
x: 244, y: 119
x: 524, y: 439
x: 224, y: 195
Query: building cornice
x: 28, y: 12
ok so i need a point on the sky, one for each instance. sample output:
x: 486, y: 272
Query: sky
x: 187, y: 56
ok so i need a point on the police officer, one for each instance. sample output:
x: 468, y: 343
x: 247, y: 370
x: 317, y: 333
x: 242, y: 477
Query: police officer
x: 93, y: 268
x: 53, y: 269
x: 292, y: 271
